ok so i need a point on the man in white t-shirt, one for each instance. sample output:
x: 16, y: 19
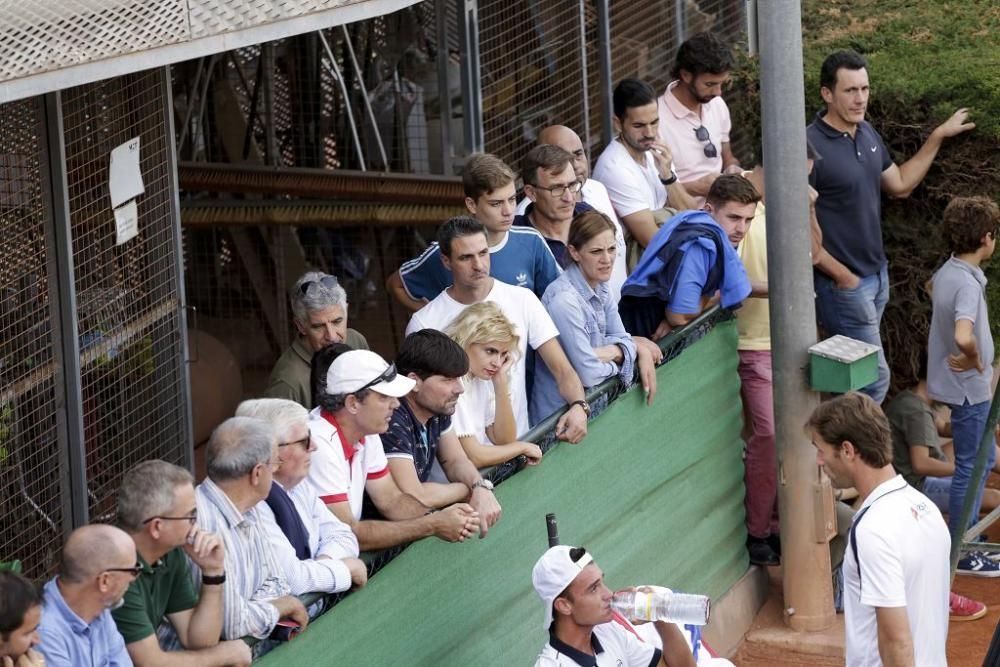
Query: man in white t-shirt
x: 694, y: 119
x: 636, y: 167
x: 465, y: 253
x: 593, y: 193
x: 584, y: 629
x: 355, y: 406
x: 896, y: 567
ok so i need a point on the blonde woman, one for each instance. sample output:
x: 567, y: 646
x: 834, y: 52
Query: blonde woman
x: 484, y: 418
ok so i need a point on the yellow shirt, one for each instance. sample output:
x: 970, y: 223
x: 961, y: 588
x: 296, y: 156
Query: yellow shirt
x: 753, y: 318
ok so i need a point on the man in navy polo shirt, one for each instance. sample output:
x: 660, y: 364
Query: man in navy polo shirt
x: 425, y: 457
x: 856, y: 168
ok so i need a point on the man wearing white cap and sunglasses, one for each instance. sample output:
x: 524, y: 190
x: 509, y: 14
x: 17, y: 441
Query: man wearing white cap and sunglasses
x: 361, y: 393
x: 584, y: 629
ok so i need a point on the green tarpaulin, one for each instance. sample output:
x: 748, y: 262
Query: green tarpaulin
x: 655, y: 493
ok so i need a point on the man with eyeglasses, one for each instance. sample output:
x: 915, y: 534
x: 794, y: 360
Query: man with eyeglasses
x: 98, y: 564
x: 355, y: 407
x: 593, y: 193
x: 694, y: 119
x: 241, y: 458
x: 318, y: 551
x: 551, y: 185
x: 637, y: 168
x: 319, y: 311
x: 156, y: 507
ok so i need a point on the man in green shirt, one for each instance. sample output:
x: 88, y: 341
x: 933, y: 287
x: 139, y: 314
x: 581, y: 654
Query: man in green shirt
x: 319, y: 310
x: 156, y: 506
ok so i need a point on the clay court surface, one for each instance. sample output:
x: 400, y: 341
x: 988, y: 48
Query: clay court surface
x: 768, y: 644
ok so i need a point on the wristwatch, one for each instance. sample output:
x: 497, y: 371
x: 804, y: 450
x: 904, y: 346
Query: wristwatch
x: 671, y: 180
x: 484, y: 483
x: 583, y: 404
x: 209, y: 580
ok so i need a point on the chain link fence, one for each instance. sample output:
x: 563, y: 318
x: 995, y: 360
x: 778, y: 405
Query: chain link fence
x: 133, y: 403
x: 31, y: 462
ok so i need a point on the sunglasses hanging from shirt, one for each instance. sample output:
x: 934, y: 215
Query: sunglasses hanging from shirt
x: 701, y: 133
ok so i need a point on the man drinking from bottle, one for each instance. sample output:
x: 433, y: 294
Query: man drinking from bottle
x: 584, y: 629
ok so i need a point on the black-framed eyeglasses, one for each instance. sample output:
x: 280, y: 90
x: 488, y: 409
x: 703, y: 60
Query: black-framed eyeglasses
x: 303, y: 443
x: 326, y: 281
x: 559, y: 190
x: 388, y: 375
x: 191, y: 518
x: 701, y: 133
x: 134, y: 570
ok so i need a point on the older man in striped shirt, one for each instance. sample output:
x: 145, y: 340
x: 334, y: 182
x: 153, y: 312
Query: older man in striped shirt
x: 241, y: 458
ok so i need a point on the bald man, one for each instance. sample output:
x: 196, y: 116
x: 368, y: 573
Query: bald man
x: 593, y: 193
x: 98, y: 564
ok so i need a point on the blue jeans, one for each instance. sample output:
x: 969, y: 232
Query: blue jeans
x: 967, y: 424
x: 857, y: 313
x: 938, y: 489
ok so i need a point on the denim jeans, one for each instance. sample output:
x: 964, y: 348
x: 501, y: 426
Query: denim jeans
x: 967, y: 424
x: 938, y: 489
x: 857, y: 313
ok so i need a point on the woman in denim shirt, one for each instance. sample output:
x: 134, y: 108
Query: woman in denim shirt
x: 590, y: 329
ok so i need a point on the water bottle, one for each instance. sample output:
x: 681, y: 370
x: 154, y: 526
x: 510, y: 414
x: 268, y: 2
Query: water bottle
x: 662, y: 604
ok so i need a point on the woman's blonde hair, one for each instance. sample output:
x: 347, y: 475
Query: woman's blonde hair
x: 484, y: 323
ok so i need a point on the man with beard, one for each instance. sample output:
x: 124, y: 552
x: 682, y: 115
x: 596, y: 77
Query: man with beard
x: 637, y: 168
x: 425, y: 457
x: 896, y: 569
x: 98, y: 564
x: 694, y: 119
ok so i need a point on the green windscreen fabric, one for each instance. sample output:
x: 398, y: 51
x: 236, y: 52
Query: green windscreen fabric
x: 655, y: 493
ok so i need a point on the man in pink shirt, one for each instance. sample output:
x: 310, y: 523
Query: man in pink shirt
x: 694, y: 119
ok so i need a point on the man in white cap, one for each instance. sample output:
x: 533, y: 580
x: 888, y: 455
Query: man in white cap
x: 584, y: 629
x: 359, y: 398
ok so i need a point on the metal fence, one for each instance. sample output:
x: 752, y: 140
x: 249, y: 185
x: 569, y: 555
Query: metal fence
x: 93, y: 370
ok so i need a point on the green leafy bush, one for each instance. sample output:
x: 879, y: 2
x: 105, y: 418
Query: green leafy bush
x: 926, y: 59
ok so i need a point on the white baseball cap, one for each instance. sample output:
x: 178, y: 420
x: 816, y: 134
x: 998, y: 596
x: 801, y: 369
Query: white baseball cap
x: 361, y: 369
x: 553, y: 573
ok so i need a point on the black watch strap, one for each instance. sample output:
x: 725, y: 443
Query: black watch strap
x: 208, y: 580
x: 671, y: 180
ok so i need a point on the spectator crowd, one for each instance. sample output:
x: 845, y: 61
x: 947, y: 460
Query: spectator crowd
x: 517, y: 310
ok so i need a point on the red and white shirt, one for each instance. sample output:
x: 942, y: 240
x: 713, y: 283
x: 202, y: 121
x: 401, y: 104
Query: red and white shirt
x: 339, y: 469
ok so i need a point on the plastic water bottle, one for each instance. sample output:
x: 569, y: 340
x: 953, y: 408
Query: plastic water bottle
x: 662, y: 604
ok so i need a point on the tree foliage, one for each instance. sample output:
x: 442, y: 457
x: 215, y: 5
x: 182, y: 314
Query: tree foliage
x: 926, y: 59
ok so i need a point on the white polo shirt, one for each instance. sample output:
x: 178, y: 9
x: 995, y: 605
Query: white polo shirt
x: 339, y: 469
x: 615, y: 644
x: 903, y: 548
x: 677, y: 130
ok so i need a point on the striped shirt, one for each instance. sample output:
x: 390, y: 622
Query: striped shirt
x: 253, y: 576
x: 328, y: 536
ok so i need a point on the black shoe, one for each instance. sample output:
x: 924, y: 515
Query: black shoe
x: 774, y: 541
x: 761, y: 552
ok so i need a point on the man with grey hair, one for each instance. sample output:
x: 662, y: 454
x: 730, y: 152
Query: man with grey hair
x: 241, y: 457
x: 98, y: 564
x: 317, y: 551
x: 156, y: 506
x: 319, y: 311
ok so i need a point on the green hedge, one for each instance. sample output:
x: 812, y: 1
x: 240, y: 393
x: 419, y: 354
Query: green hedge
x: 926, y: 59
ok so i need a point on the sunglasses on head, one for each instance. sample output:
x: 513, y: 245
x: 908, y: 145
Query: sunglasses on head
x: 701, y: 133
x: 388, y: 375
x: 326, y: 281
